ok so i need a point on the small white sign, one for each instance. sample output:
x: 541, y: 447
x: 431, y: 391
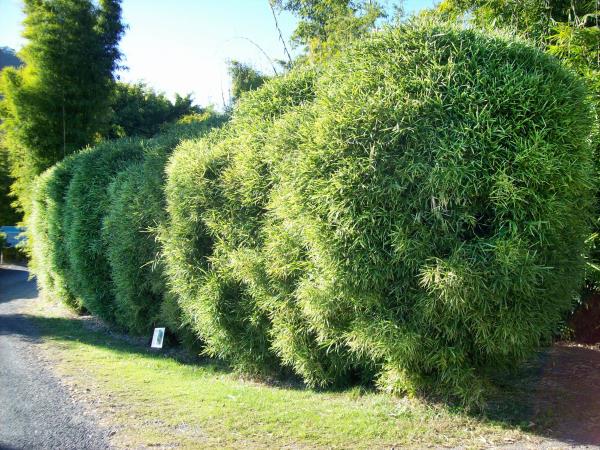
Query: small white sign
x: 158, y: 337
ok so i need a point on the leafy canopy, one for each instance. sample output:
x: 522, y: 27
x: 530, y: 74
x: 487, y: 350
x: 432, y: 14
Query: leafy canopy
x: 326, y: 26
x: 8, y: 215
x: 533, y: 18
x: 58, y: 102
x: 138, y: 110
x: 244, y: 78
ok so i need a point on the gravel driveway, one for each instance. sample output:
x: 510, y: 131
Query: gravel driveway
x: 36, y: 412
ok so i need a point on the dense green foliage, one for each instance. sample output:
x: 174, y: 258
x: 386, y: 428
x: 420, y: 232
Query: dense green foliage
x: 567, y: 29
x: 210, y: 216
x: 425, y: 220
x: 325, y: 27
x: 49, y: 257
x: 94, y: 224
x: 134, y: 217
x: 86, y: 204
x: 8, y: 214
x: 414, y: 212
x: 138, y: 110
x: 536, y: 20
x: 58, y: 102
x: 244, y: 78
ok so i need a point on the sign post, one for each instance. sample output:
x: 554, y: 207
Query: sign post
x: 158, y: 338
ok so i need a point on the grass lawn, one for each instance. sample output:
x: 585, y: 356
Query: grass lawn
x: 154, y: 399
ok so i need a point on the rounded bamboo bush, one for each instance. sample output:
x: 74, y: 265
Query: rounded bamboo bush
x: 436, y: 207
x: 214, y: 214
x: 38, y: 241
x: 418, y: 210
x: 135, y: 214
x: 49, y: 260
x: 129, y: 234
x: 87, y: 202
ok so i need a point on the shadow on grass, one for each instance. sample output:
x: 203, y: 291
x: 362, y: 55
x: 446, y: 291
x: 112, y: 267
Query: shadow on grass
x: 60, y: 329
x: 542, y: 397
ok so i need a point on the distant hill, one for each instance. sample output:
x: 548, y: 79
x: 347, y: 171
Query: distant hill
x: 8, y: 57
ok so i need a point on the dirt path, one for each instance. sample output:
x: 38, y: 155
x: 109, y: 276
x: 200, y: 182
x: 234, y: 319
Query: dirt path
x: 36, y: 411
x: 567, y: 395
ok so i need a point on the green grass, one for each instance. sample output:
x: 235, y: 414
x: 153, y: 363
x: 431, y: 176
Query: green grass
x: 154, y: 399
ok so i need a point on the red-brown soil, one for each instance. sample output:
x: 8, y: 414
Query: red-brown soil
x: 586, y: 321
x: 566, y: 398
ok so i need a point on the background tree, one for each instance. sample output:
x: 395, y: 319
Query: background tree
x: 325, y: 26
x: 59, y: 101
x: 138, y: 110
x: 8, y: 215
x: 532, y: 18
x: 244, y: 78
x: 569, y: 29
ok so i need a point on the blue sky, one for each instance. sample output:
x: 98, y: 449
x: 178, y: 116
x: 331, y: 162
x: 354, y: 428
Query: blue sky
x: 183, y: 45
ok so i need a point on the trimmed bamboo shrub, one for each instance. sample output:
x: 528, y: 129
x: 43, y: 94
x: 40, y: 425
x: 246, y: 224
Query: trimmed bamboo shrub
x: 215, y: 213
x: 39, y: 243
x: 86, y: 205
x: 439, y: 197
x: 414, y: 213
x: 418, y: 210
x: 136, y: 212
x: 49, y: 260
